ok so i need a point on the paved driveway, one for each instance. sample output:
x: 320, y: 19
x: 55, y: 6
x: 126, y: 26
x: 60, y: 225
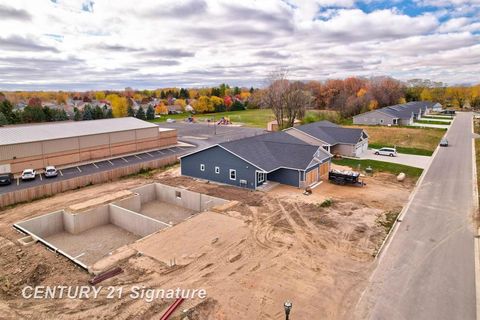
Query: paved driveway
x: 428, y: 270
x: 428, y: 125
x: 402, y: 158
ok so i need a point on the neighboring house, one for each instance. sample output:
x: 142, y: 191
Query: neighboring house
x: 350, y: 142
x: 273, y: 125
x: 400, y: 114
x: 251, y: 162
x: 172, y: 109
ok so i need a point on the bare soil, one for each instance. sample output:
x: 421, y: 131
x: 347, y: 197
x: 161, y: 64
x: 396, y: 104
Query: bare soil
x: 270, y: 247
x: 166, y: 212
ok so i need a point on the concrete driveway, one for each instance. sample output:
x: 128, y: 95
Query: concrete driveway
x: 428, y: 125
x: 402, y: 158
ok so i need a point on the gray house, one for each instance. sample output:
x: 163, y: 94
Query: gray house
x: 350, y: 142
x: 400, y: 114
x: 253, y: 161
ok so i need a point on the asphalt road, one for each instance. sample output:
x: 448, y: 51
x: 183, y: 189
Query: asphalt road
x: 427, y: 271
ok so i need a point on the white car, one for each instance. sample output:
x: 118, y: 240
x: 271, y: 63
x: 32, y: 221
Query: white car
x: 28, y: 174
x: 50, y: 172
x: 392, y: 152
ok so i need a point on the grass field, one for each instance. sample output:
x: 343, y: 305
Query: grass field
x: 257, y: 118
x: 421, y: 141
x: 380, y: 166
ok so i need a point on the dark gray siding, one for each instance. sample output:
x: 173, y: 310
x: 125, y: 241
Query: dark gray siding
x: 285, y: 176
x: 218, y: 157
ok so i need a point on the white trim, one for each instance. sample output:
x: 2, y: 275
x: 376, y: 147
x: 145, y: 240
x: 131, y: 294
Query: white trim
x: 217, y: 170
x: 202, y: 167
x: 230, y: 174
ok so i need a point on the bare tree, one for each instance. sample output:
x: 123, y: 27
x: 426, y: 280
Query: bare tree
x: 287, y: 100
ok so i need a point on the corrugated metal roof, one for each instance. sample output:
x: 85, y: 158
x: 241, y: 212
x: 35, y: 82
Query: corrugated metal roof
x: 60, y: 130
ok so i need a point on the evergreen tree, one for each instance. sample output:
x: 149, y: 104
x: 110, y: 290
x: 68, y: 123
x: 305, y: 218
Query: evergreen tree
x: 141, y: 114
x: 252, y: 90
x: 130, y: 112
x: 236, y: 90
x: 87, y: 114
x: 77, y: 114
x: 109, y: 114
x: 3, y: 120
x: 48, y: 114
x: 150, y: 113
x: 97, y: 113
x: 33, y: 114
x: 7, y: 109
x: 236, y: 106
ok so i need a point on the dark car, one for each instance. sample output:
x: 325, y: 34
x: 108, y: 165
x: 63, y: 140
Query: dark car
x: 6, y: 179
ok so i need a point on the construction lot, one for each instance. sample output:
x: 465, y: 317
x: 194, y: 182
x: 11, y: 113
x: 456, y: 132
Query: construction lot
x: 250, y: 255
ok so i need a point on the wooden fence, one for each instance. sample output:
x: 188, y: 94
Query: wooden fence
x: 29, y: 194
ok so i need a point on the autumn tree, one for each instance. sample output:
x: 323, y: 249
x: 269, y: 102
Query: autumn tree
x: 204, y: 104
x: 288, y: 100
x: 119, y: 105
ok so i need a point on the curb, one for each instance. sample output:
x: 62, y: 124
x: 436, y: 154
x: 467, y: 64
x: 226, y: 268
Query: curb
x: 388, y: 239
x: 476, y: 238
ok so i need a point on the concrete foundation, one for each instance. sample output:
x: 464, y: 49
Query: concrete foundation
x: 87, y: 236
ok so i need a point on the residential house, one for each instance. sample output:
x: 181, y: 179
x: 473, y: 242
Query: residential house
x: 350, y: 142
x: 253, y: 161
x: 400, y: 114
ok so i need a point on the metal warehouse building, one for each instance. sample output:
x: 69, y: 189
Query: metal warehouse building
x: 60, y: 144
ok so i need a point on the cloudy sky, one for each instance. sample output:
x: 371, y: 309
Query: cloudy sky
x: 101, y: 44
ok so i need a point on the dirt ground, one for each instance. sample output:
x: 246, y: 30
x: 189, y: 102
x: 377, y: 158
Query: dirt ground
x: 91, y: 245
x: 268, y: 248
x: 166, y: 212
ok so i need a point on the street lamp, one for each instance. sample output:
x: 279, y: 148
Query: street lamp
x: 288, y: 306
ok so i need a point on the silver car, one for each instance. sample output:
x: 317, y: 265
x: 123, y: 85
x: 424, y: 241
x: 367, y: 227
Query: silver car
x: 392, y: 152
x: 50, y: 172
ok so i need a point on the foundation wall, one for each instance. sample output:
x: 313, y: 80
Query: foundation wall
x: 80, y: 222
x: 132, y: 203
x: 45, y: 225
x: 135, y: 223
x: 188, y: 199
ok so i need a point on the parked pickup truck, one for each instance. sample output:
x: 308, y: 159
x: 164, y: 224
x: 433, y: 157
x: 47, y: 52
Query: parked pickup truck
x: 342, y: 177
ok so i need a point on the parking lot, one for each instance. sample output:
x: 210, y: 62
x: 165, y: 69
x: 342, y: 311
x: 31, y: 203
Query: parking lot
x: 94, y: 167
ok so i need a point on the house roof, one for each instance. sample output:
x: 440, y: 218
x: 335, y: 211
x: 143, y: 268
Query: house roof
x: 59, y: 130
x: 403, y: 111
x: 274, y: 150
x: 332, y: 133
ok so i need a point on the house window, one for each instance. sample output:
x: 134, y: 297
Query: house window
x: 202, y: 167
x: 217, y: 170
x: 261, y: 177
x: 233, y: 174
x: 178, y: 195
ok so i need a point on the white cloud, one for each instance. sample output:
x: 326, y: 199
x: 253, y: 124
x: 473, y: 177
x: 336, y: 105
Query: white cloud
x: 81, y: 44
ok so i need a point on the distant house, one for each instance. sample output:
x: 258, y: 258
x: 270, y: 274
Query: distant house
x: 400, y: 114
x: 172, y: 109
x: 273, y: 125
x: 253, y: 161
x: 350, y: 142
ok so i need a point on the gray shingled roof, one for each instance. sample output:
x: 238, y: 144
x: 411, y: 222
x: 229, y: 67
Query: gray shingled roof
x: 331, y: 133
x: 405, y: 110
x: 273, y: 150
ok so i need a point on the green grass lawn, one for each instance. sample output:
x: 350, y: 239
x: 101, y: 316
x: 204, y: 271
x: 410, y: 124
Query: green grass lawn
x: 257, y: 118
x: 407, y: 150
x: 380, y: 166
x: 433, y: 122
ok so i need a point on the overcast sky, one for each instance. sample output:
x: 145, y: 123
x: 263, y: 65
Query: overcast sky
x: 85, y: 44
